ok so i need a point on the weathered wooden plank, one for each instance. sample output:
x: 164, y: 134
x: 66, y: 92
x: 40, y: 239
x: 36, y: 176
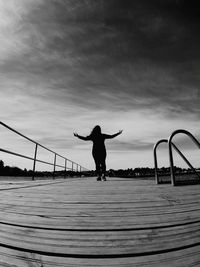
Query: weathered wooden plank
x: 112, y: 242
x: 89, y: 222
x: 98, y: 210
x: 184, y: 258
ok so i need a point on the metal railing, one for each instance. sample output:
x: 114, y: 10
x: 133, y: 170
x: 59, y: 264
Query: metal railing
x: 155, y: 158
x: 171, y: 161
x: 74, y: 166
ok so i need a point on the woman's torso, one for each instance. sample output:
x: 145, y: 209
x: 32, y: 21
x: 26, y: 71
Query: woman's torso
x: 98, y: 143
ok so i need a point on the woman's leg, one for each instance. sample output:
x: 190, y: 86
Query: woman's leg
x: 100, y: 162
x: 98, y: 167
x: 103, y: 167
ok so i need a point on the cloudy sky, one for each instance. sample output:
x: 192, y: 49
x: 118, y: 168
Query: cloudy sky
x: 67, y: 65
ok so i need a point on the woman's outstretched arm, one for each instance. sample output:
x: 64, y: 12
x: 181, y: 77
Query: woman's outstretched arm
x: 85, y: 138
x: 110, y: 136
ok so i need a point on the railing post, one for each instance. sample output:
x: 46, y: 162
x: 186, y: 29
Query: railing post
x: 54, y: 166
x: 65, y: 168
x: 155, y: 159
x: 156, y: 167
x: 34, y: 162
x: 80, y: 170
x: 171, y: 162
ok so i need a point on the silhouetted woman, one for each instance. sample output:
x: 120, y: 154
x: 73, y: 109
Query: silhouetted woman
x: 99, y: 149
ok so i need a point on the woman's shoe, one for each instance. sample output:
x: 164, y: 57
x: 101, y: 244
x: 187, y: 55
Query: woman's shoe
x: 98, y: 178
x: 103, y: 177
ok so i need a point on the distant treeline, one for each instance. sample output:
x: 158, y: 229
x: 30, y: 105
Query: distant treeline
x: 147, y: 172
x: 16, y: 171
x: 137, y: 172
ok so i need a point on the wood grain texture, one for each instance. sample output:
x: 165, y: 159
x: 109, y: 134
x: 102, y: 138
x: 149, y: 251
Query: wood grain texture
x: 82, y: 222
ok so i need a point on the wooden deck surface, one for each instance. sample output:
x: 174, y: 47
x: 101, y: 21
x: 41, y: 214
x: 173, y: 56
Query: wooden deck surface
x: 82, y: 222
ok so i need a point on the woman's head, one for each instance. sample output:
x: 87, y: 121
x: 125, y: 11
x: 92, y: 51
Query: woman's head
x: 96, y: 130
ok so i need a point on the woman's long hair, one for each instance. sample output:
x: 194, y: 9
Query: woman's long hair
x: 96, y: 131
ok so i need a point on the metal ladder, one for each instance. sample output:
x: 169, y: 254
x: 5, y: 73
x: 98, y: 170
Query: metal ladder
x: 172, y: 146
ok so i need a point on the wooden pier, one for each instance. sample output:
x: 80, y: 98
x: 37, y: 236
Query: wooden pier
x: 81, y: 222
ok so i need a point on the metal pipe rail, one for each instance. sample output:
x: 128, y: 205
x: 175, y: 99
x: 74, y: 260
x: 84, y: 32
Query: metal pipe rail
x: 155, y: 158
x: 170, y: 145
x: 34, y: 159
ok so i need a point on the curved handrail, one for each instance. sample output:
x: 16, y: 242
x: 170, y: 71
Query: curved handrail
x: 155, y: 158
x: 54, y: 164
x: 170, y: 145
